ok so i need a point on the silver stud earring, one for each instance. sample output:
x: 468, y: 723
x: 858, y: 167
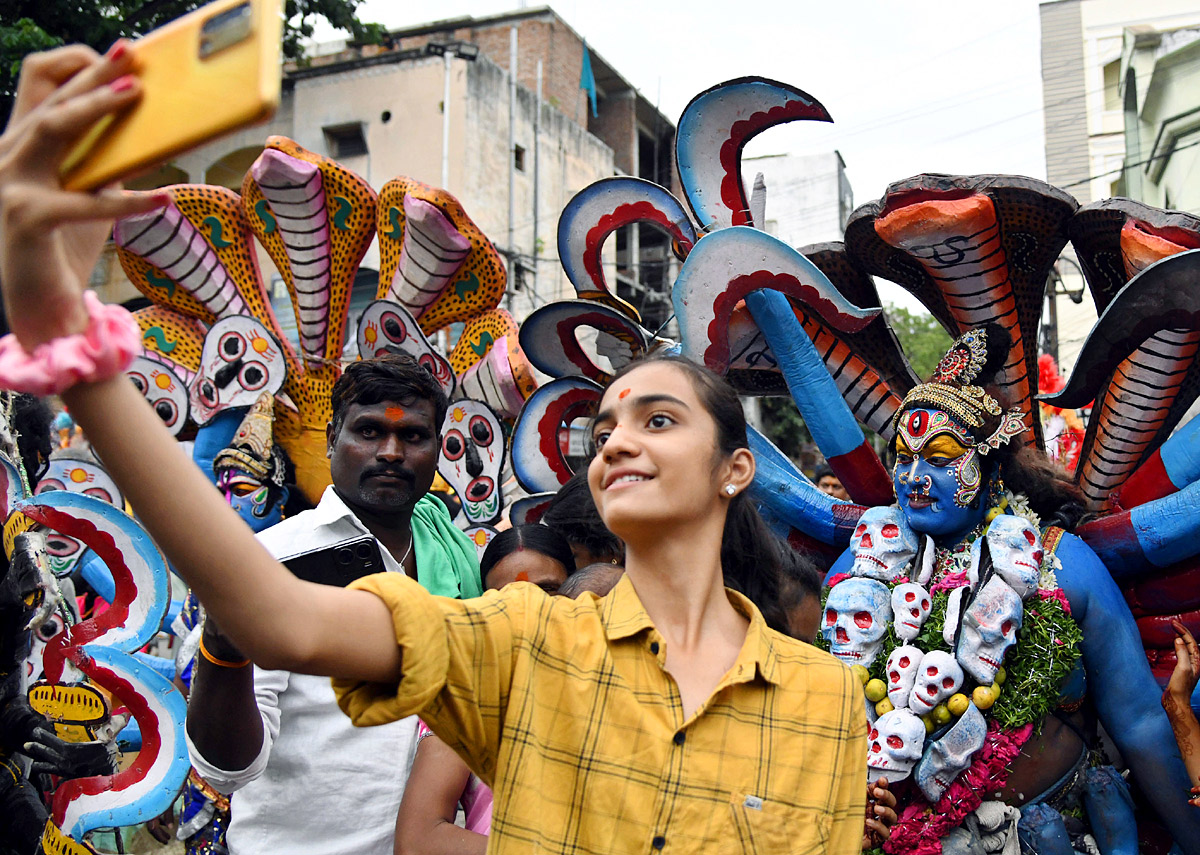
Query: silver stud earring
x: 730, y: 490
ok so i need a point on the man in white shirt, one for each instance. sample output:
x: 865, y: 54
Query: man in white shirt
x: 303, y: 778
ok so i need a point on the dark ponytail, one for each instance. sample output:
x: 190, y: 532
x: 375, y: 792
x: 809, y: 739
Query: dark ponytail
x: 752, y: 556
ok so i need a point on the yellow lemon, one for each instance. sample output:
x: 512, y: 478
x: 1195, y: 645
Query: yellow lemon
x: 884, y: 706
x: 861, y: 672
x: 941, y: 714
x: 983, y: 697
x: 995, y: 687
x: 958, y: 703
x: 1001, y: 676
x: 930, y: 727
x: 876, y: 690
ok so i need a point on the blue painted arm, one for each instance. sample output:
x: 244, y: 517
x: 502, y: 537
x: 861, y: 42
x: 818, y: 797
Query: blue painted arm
x: 1124, y: 691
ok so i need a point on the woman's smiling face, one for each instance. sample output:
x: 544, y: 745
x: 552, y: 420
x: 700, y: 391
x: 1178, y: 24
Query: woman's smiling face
x: 656, y: 461
x: 937, y: 475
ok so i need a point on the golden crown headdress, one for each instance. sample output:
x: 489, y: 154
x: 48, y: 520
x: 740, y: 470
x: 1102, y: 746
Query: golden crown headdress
x: 951, y: 389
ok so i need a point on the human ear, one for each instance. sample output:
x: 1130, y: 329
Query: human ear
x: 330, y: 435
x: 739, y: 470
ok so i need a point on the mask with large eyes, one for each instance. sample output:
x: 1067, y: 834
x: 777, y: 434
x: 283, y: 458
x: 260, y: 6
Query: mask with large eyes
x: 240, y: 361
x: 74, y: 475
x: 472, y: 457
x: 387, y: 327
x: 164, y: 390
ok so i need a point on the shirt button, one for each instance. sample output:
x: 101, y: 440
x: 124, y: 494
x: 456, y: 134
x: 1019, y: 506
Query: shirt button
x: 680, y: 737
x: 658, y: 842
x: 654, y: 650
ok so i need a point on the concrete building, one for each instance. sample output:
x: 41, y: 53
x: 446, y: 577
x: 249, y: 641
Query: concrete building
x: 1082, y: 74
x: 515, y: 152
x: 808, y: 196
x: 1160, y: 94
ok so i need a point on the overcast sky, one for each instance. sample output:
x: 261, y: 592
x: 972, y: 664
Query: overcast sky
x: 923, y: 86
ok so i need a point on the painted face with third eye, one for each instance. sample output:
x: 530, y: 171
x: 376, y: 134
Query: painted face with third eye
x: 937, y: 475
x: 656, y: 460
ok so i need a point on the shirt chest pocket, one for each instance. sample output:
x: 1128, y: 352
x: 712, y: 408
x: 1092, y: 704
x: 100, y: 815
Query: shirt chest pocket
x: 769, y: 827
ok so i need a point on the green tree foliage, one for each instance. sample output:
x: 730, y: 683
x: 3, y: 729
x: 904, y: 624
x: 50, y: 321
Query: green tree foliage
x: 921, y: 337
x: 923, y: 341
x: 32, y: 25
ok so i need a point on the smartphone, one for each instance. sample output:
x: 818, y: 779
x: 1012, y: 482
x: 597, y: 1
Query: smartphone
x: 340, y: 564
x: 210, y: 72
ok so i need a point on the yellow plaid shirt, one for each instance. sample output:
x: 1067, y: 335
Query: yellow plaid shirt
x: 564, y: 708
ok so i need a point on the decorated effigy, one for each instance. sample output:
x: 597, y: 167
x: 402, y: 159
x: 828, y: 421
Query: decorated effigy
x: 999, y: 610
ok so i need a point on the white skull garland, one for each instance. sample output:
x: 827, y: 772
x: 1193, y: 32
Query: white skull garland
x: 240, y: 361
x: 896, y: 741
x: 1016, y: 550
x: 910, y: 606
x: 939, y: 677
x: 949, y: 756
x: 472, y: 455
x: 989, y: 628
x: 901, y: 673
x: 857, y: 613
x: 387, y: 327
x: 883, y: 544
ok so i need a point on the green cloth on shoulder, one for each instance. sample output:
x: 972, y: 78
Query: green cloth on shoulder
x: 447, y: 563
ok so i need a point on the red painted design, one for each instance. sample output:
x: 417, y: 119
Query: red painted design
x: 621, y: 397
x: 565, y: 330
x: 863, y: 475
x: 564, y: 409
x: 623, y: 215
x: 732, y: 195
x: 716, y: 355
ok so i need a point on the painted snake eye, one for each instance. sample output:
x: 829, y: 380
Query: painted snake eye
x: 167, y: 411
x: 452, y: 445
x: 392, y: 326
x: 481, y: 431
x: 138, y: 380
x: 252, y: 376
x: 231, y: 346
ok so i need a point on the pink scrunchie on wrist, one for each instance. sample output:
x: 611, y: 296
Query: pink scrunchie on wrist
x: 103, y: 350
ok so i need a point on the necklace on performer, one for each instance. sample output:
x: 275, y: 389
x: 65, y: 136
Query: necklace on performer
x: 951, y: 561
x: 407, y: 551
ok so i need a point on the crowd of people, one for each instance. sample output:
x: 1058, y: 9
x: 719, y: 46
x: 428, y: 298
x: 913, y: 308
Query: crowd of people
x: 644, y: 669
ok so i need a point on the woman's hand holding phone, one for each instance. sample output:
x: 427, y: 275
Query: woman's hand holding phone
x: 50, y: 238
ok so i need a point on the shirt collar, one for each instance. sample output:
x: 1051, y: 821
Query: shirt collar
x: 624, y: 616
x: 332, y: 509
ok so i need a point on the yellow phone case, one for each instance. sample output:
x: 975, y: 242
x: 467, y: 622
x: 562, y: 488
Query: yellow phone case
x: 186, y: 100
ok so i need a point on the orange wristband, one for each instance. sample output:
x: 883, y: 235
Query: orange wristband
x: 220, y: 663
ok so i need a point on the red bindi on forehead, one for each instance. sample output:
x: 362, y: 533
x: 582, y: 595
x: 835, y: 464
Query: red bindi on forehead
x: 622, y: 395
x: 394, y: 414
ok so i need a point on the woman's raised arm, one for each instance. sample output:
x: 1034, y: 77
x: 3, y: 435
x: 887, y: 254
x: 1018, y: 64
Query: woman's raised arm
x: 49, y: 241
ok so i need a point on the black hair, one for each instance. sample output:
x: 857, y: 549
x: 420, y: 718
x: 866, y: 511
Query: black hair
x: 752, y: 556
x: 32, y: 419
x: 591, y: 578
x: 572, y: 513
x: 823, y: 472
x: 536, y: 538
x: 388, y: 377
x: 800, y: 579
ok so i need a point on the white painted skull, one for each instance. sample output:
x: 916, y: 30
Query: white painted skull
x: 910, y: 606
x: 896, y: 740
x: 1016, y: 551
x: 938, y: 678
x: 989, y: 628
x: 882, y: 543
x: 471, y: 459
x: 946, y: 758
x: 240, y: 361
x: 387, y: 327
x: 901, y: 673
x: 857, y: 613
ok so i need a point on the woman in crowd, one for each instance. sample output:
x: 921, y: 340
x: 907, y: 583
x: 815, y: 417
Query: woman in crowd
x: 665, y: 714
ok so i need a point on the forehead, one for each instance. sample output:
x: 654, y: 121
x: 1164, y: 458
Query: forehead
x: 418, y: 411
x: 655, y: 378
x: 921, y: 427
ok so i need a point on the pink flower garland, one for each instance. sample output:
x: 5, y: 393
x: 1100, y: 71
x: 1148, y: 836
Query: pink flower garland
x: 920, y: 829
x: 1056, y: 594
